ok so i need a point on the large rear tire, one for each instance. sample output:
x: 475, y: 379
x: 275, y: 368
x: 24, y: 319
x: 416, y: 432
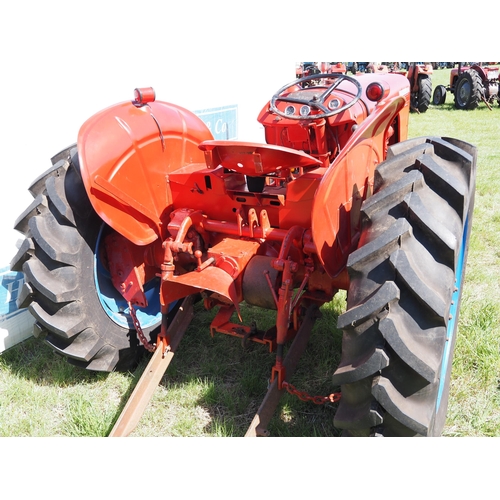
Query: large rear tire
x: 403, y: 301
x: 468, y: 90
x: 422, y: 98
x: 67, y: 289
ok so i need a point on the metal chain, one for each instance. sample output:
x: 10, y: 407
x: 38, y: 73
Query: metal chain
x: 138, y: 329
x: 318, y: 400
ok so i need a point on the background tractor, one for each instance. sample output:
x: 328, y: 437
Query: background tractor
x: 470, y: 85
x: 147, y: 212
x: 333, y: 67
x: 419, y: 76
x: 305, y: 69
x: 315, y: 68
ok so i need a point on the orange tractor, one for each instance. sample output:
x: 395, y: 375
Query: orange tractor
x: 147, y: 213
x: 419, y: 76
x: 470, y: 85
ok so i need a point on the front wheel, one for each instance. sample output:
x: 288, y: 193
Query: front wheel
x: 403, y: 301
x: 439, y: 96
x: 67, y: 286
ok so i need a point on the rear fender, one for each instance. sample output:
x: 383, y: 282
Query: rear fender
x: 348, y: 181
x: 480, y: 71
x: 126, y: 153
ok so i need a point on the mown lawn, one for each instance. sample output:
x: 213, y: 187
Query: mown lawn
x: 214, y: 386
x: 474, y: 408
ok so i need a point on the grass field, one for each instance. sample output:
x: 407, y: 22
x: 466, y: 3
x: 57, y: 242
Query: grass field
x: 214, y: 386
x: 474, y: 408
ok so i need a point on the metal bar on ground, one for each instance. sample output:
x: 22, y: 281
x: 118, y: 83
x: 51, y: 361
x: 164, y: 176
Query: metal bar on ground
x: 153, y: 373
x: 258, y: 427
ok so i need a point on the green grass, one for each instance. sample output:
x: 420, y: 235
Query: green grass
x: 474, y: 407
x: 214, y: 386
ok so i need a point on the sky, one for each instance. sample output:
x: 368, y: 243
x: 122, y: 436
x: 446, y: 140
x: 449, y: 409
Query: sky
x: 64, y: 61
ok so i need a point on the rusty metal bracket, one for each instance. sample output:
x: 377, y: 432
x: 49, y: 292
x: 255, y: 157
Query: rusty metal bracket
x: 259, y: 424
x: 153, y: 373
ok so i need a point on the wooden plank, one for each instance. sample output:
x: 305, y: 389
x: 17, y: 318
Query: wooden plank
x: 153, y: 373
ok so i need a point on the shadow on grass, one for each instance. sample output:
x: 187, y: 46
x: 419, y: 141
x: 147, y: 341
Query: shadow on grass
x: 226, y: 383
x: 35, y: 361
x: 216, y: 378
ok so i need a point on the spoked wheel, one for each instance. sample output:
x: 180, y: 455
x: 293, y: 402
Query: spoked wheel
x: 404, y: 296
x: 67, y: 286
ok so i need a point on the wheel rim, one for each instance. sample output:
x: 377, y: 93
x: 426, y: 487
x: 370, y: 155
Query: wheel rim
x: 451, y: 330
x: 464, y: 92
x: 115, y: 306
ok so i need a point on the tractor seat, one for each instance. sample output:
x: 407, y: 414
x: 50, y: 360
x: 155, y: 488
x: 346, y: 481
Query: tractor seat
x: 254, y: 159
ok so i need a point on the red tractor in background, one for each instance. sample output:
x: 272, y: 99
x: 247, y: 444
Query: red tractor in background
x: 312, y: 68
x: 333, y: 67
x: 470, y: 85
x: 305, y: 69
x: 146, y: 212
x: 419, y: 76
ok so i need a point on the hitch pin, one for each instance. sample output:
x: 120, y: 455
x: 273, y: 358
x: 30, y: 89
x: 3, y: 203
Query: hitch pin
x: 202, y: 265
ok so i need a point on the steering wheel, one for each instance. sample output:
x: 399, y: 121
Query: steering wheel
x: 317, y: 100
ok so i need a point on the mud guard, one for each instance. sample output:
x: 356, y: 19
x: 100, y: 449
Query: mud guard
x: 346, y: 184
x: 126, y: 153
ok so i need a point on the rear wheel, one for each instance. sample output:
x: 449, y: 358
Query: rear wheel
x: 67, y: 287
x: 422, y: 98
x: 403, y: 302
x: 468, y: 90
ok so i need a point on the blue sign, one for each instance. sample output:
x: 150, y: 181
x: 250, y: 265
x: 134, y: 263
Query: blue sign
x: 10, y: 285
x: 222, y: 121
